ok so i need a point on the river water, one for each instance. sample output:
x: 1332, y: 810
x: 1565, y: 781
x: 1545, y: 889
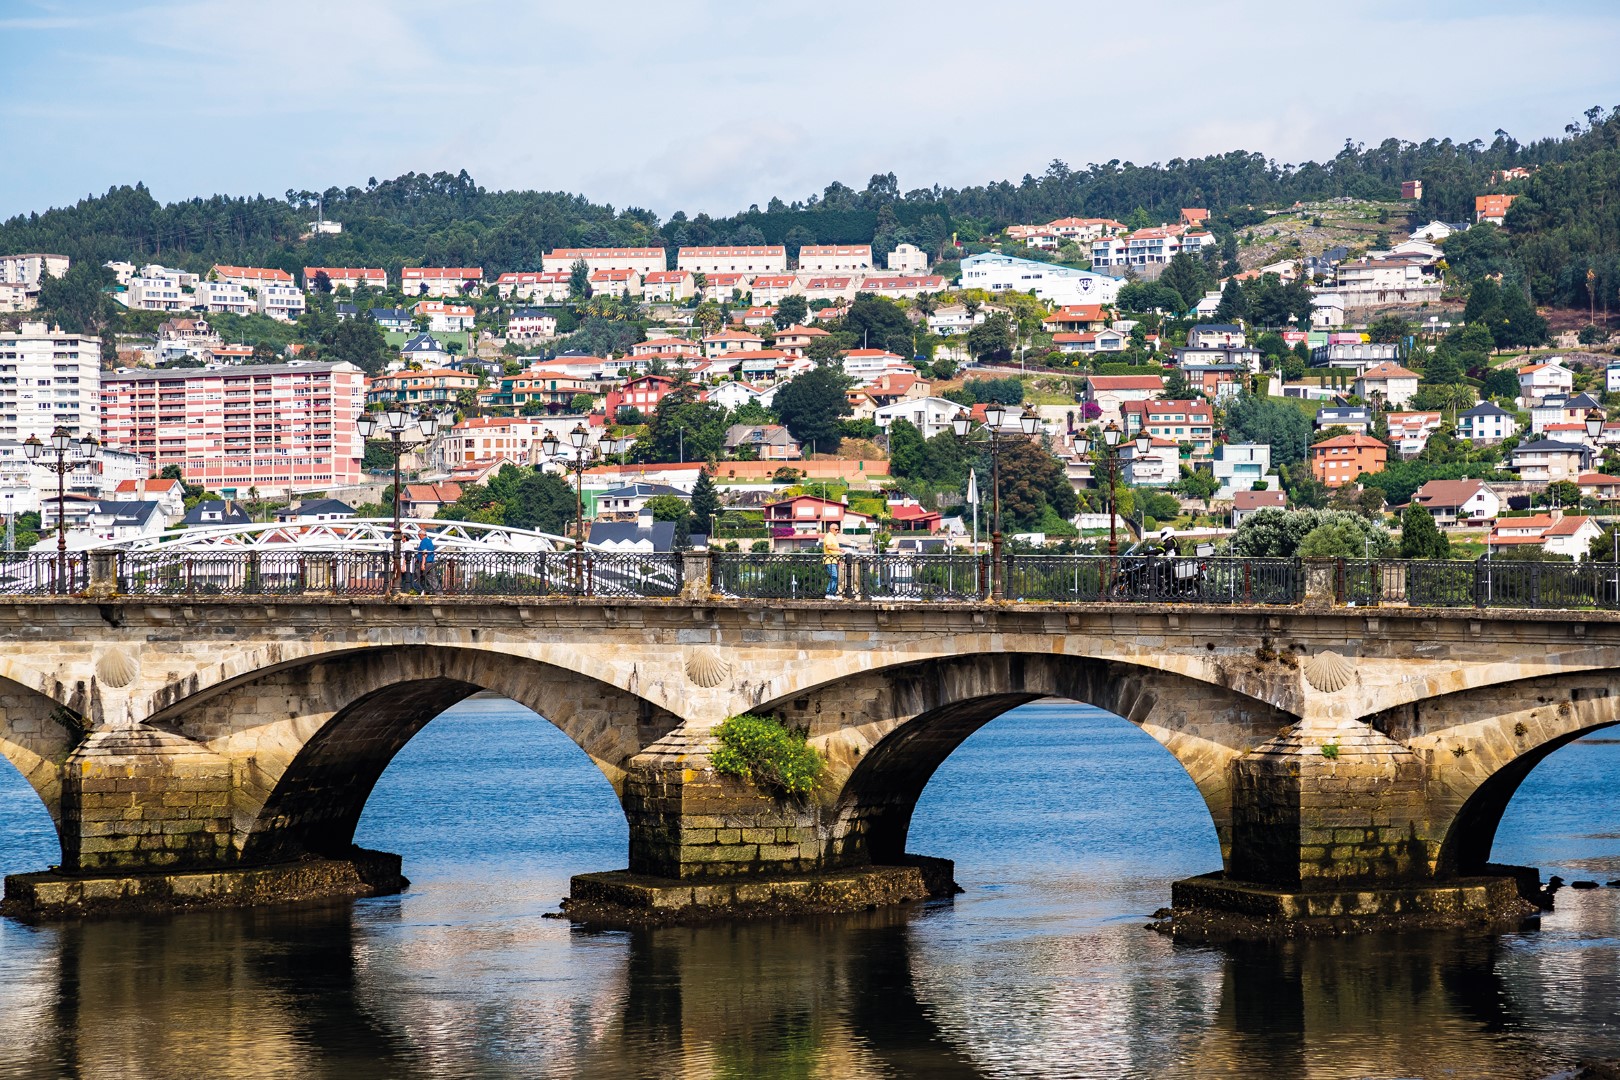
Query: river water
x: 1067, y: 826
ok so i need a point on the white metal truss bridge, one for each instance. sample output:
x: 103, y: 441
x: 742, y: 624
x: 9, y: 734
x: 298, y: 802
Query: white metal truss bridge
x: 353, y: 534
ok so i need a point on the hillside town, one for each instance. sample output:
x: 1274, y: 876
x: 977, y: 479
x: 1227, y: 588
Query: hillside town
x: 751, y: 396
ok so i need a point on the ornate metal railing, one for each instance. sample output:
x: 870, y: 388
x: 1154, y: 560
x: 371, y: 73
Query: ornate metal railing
x: 1022, y: 578
x: 776, y: 577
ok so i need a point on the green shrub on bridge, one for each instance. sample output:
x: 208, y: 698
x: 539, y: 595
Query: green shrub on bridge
x: 774, y: 758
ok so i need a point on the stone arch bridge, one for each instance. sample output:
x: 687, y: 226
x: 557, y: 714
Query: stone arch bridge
x: 182, y: 744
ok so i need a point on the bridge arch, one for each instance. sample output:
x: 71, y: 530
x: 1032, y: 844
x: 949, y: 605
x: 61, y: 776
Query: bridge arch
x: 305, y: 742
x: 1481, y: 744
x: 885, y: 732
x: 37, y: 734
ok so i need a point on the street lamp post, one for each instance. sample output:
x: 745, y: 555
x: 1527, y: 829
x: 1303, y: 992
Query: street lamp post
x: 66, y: 454
x: 395, y: 420
x: 584, y: 453
x: 995, y: 438
x: 1107, y: 454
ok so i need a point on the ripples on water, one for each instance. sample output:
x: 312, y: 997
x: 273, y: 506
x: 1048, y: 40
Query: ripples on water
x: 1067, y: 826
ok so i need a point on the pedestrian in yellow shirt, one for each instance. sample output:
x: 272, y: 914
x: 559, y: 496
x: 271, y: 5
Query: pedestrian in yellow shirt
x: 832, y: 553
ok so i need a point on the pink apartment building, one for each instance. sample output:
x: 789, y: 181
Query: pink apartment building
x: 276, y: 427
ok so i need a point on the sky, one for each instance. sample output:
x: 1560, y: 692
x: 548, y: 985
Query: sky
x: 707, y: 106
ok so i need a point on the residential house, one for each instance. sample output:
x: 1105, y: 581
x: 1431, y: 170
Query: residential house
x: 837, y: 288
x: 644, y: 534
x: 1158, y: 466
x: 642, y: 394
x: 768, y: 442
x: 424, y: 501
x: 109, y: 521
x: 1392, y: 384
x: 930, y: 415
x: 424, y: 350
x: 391, y: 318
x: 908, y: 515
x: 724, y: 341
x: 1540, y: 380
x: 831, y: 258
x: 1409, y: 431
x: 440, y: 280
x: 1240, y: 357
x: 754, y: 318
x: 546, y: 285
x: 530, y: 324
x: 1374, y: 282
x: 1356, y: 418
x: 995, y: 272
x: 794, y: 340
x: 1216, y: 381
x: 1096, y: 341
x: 1110, y: 392
x: 1246, y: 503
x: 908, y: 259
x: 629, y: 500
x: 1191, y: 422
x: 1611, y: 377
x: 866, y: 366
x: 1486, y: 424
x: 898, y: 386
x: 1240, y: 466
x: 1076, y: 318
x: 1492, y: 208
x: 1459, y: 502
x: 798, y: 523
x: 668, y: 286
x: 158, y: 288
x: 955, y: 319
x: 445, y: 318
x: 433, y: 387
x: 170, y: 495
x: 1357, y: 355
x: 642, y: 260
x: 1555, y: 532
x: 1343, y: 458
x: 250, y: 277
x: 312, y: 511
x: 223, y: 296
x: 901, y: 286
x: 346, y: 277
x: 733, y: 395
x: 216, y: 512
x: 1545, y: 461
x: 615, y: 282
x: 1215, y: 336
x: 724, y: 287
x: 745, y: 259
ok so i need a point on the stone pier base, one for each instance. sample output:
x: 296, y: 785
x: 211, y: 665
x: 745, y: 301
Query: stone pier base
x: 54, y: 895
x: 1214, y: 908
x: 621, y: 899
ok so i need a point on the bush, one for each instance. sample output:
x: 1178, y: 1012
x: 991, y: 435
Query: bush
x: 771, y: 756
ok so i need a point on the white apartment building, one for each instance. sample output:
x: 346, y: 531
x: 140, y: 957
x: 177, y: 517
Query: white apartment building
x: 1368, y: 282
x: 26, y: 487
x: 643, y: 260
x: 280, y: 301
x: 1239, y: 466
x: 1148, y: 247
x: 995, y: 272
x: 733, y: 260
x: 908, y: 259
x: 1160, y: 466
x: 223, y: 296
x: 1486, y: 423
x: 49, y: 378
x: 829, y: 258
x: 158, y: 288
x: 15, y: 296
x: 29, y: 269
x: 930, y: 415
x: 439, y: 280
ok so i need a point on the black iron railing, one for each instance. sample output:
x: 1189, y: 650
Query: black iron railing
x: 1025, y: 578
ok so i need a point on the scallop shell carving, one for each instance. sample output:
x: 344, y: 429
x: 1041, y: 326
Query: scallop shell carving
x: 116, y: 668
x: 1328, y: 671
x: 707, y: 667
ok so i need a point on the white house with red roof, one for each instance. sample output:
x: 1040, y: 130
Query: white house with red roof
x: 1540, y: 380
x: 869, y: 365
x: 439, y: 280
x: 771, y: 288
x: 346, y: 277
x: 1556, y: 532
x: 444, y: 317
x: 1598, y: 485
x: 1459, y: 502
x: 1393, y: 384
x: 836, y: 287
x: 723, y: 341
x: 170, y: 495
x: 1099, y: 341
x: 834, y: 258
x: 668, y: 286
x: 250, y: 277
x: 725, y: 286
x: 729, y: 259
x: 798, y: 523
x: 1076, y: 318
x: 669, y: 348
x: 534, y: 285
x: 1109, y: 392
x: 901, y: 286
x: 1181, y: 421
x: 643, y: 260
x: 615, y: 281
x: 795, y: 339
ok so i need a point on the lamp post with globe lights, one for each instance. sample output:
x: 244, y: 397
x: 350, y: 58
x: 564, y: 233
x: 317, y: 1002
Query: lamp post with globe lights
x: 995, y: 439
x: 1106, y: 452
x: 395, y: 420
x: 61, y: 455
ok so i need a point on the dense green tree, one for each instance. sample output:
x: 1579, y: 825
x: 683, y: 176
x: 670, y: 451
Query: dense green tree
x: 579, y: 280
x: 1189, y: 277
x: 1031, y: 481
x: 876, y: 322
x: 1234, y: 305
x: 811, y: 406
x: 790, y: 310
x: 1443, y: 367
x: 1275, y: 533
x: 1333, y: 540
x: 1420, y: 537
x: 992, y: 339
x: 683, y: 428
x: 1389, y: 329
x: 705, y: 504
x: 907, y: 450
x: 1276, y: 423
x: 1145, y: 296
